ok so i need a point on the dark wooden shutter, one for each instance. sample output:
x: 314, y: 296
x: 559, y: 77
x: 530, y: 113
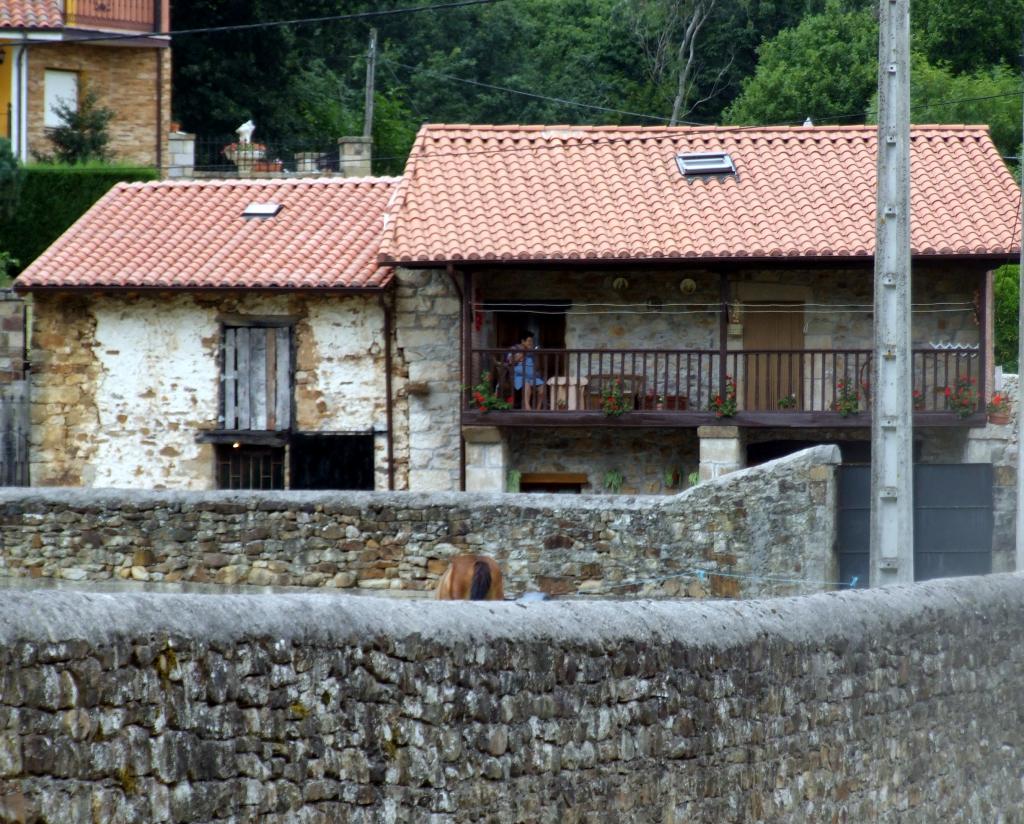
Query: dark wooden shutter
x: 257, y: 378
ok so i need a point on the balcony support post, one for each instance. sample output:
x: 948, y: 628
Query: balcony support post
x: 465, y: 290
x: 983, y: 348
x: 723, y: 330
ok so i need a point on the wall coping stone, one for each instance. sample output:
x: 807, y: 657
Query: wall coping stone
x: 57, y: 616
x: 25, y: 498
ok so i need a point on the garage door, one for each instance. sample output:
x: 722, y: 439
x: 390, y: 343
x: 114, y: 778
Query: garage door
x: 952, y: 521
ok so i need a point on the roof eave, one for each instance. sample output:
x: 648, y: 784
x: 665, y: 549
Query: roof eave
x: 324, y: 290
x: 1003, y: 257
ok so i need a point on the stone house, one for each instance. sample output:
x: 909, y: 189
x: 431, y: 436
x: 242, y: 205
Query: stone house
x: 662, y: 268
x: 657, y: 268
x: 196, y: 335
x: 52, y: 50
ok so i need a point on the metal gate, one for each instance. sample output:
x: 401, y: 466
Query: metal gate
x: 952, y: 521
x: 14, y: 389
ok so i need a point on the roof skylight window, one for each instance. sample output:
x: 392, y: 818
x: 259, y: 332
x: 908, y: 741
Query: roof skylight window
x: 261, y: 210
x: 711, y: 163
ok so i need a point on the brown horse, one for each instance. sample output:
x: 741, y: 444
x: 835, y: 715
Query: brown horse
x: 471, y: 578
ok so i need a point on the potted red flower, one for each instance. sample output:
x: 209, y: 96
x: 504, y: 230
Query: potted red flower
x: 999, y: 409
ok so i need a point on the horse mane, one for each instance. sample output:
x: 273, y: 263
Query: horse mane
x: 481, y: 583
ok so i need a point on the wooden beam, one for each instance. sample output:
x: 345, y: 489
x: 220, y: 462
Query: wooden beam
x: 554, y: 478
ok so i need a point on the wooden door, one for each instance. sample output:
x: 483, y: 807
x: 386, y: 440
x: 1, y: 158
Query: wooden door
x: 775, y: 332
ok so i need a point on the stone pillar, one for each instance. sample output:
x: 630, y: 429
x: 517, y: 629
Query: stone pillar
x: 182, y: 158
x: 721, y: 451
x: 486, y: 459
x: 355, y: 155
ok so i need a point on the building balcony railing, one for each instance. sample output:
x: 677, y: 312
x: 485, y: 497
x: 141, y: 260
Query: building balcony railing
x: 818, y: 387
x: 126, y: 15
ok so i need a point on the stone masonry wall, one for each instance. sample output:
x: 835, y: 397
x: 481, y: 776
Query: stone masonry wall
x: 125, y: 79
x: 650, y: 461
x: 12, y: 336
x: 897, y: 704
x: 732, y: 537
x: 122, y: 385
x: 428, y: 383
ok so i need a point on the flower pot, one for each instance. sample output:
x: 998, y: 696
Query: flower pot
x: 999, y: 418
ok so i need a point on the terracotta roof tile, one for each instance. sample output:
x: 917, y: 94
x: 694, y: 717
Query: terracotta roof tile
x: 30, y: 14
x: 569, y: 193
x: 191, y: 235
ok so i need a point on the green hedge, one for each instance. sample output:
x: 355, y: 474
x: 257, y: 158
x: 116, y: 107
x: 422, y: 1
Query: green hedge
x: 54, y: 197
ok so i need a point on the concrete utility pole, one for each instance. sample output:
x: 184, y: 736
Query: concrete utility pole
x: 371, y: 79
x: 1020, y: 384
x: 892, y: 478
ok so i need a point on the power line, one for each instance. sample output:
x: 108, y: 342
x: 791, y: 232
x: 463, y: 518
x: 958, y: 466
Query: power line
x: 300, y: 21
x: 535, y: 95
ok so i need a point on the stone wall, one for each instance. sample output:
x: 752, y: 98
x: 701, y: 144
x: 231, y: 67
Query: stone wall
x: 122, y: 385
x: 428, y: 383
x: 897, y: 704
x: 650, y: 461
x: 767, y: 530
x: 12, y: 336
x: 125, y: 79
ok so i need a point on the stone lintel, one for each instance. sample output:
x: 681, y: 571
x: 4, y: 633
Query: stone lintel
x: 481, y: 434
x: 718, y: 432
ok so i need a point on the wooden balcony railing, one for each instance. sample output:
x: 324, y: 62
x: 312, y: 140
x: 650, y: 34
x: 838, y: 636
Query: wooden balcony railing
x: 129, y: 15
x: 685, y: 381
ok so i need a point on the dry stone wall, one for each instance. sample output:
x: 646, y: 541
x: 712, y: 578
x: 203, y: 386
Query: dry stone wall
x: 767, y: 530
x: 898, y: 704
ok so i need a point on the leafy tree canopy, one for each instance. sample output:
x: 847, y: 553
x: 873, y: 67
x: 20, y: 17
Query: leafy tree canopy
x: 967, y: 35
x: 991, y: 95
x: 823, y: 68
x: 1007, y: 300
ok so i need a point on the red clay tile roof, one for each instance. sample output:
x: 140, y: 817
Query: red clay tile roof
x: 567, y: 193
x: 30, y: 14
x: 192, y: 235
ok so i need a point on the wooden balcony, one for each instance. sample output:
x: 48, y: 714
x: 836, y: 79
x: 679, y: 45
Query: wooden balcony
x: 653, y: 388
x: 119, y: 15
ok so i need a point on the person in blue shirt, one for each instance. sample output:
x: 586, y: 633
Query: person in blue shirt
x: 524, y: 371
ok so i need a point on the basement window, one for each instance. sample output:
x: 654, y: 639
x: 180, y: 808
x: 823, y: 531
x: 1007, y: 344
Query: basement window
x: 261, y: 210
x: 244, y: 466
x: 714, y: 163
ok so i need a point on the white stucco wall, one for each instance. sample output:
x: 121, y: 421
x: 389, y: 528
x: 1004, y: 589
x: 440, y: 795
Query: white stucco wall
x: 158, y: 384
x: 130, y: 416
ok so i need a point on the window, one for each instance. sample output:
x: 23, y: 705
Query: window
x: 716, y: 163
x: 60, y: 87
x: 242, y: 466
x: 257, y: 377
x: 331, y: 461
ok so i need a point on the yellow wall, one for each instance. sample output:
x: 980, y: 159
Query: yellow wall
x: 5, y: 88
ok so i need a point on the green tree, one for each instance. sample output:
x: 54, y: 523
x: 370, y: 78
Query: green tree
x: 824, y: 67
x: 990, y: 95
x: 967, y: 35
x: 83, y: 134
x: 1007, y: 302
x: 7, y: 266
